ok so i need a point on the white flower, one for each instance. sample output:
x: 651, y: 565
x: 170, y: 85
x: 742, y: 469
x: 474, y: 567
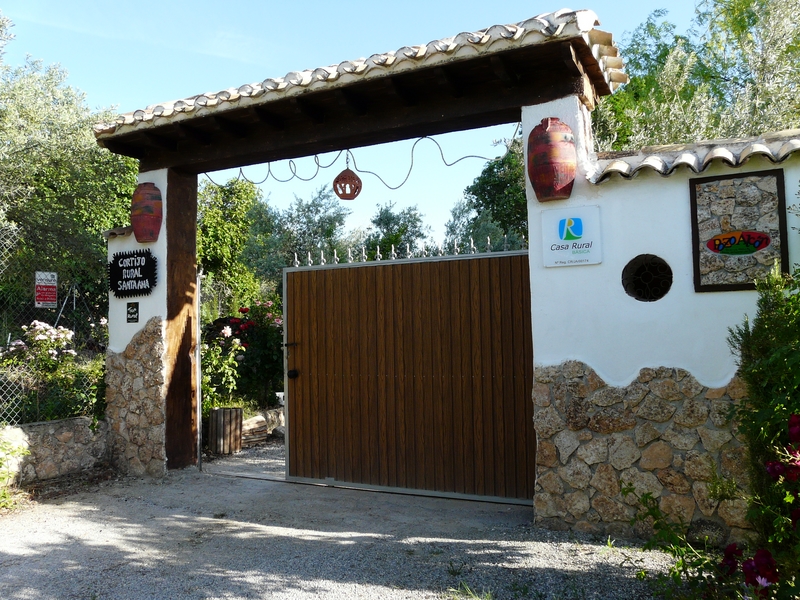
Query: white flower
x: 71, y: 352
x: 103, y: 321
x: 226, y: 331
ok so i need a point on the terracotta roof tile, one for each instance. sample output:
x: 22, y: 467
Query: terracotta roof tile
x: 563, y: 24
x: 666, y: 160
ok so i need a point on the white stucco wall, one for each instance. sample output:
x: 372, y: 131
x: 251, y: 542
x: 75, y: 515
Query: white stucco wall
x: 583, y: 312
x: 120, y: 332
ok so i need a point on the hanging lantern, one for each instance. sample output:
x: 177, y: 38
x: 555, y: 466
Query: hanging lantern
x: 146, y: 212
x: 347, y: 184
x: 552, y: 160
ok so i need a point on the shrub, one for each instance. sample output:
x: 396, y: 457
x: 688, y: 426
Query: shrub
x: 257, y: 332
x: 62, y: 384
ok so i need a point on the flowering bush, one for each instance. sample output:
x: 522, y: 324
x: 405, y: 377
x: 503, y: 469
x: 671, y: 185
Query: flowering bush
x: 259, y: 330
x: 65, y: 384
x: 219, y: 364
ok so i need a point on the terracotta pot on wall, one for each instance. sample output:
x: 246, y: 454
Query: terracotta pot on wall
x: 552, y: 160
x: 146, y: 212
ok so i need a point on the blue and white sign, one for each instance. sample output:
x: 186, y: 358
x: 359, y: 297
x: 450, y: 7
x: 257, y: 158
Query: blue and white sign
x: 571, y: 237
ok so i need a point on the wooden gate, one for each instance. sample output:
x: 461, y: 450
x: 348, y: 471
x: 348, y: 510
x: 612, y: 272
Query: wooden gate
x: 413, y: 375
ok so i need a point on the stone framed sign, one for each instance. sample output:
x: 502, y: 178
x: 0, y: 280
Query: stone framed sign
x: 132, y: 273
x: 738, y: 229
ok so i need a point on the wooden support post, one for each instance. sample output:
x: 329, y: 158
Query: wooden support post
x: 181, y: 326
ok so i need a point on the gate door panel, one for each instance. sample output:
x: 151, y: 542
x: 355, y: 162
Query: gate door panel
x: 413, y: 375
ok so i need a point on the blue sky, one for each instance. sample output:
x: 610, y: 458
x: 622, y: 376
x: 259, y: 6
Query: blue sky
x: 129, y: 55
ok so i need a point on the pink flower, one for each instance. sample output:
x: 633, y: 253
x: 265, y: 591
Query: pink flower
x: 226, y: 331
x: 269, y: 303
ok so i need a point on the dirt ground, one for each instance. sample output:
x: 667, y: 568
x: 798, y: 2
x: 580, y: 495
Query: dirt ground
x: 207, y: 535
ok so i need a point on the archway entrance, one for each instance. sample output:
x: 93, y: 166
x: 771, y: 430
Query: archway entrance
x: 465, y: 82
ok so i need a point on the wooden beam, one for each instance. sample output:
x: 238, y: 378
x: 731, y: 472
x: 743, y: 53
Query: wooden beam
x: 126, y: 148
x: 447, y: 80
x: 502, y: 70
x: 355, y: 103
x: 193, y: 133
x: 435, y: 113
x: 159, y: 141
x: 313, y: 112
x: 396, y: 87
x: 270, y: 118
x: 181, y: 324
x: 230, y: 127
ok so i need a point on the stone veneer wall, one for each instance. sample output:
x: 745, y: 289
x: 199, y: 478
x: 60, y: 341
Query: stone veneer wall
x: 136, y: 404
x: 664, y: 433
x: 57, y: 448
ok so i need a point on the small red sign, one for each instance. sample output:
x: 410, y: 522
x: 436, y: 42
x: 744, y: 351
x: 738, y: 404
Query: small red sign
x: 46, y: 290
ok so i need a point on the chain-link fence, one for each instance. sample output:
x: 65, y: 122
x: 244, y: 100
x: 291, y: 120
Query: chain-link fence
x: 46, y: 373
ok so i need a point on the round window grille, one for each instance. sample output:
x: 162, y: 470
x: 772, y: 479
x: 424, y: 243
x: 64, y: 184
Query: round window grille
x: 647, y: 278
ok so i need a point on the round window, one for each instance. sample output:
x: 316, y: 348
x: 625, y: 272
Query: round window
x: 647, y: 278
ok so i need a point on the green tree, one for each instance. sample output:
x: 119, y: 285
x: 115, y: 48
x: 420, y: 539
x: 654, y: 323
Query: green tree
x: 401, y: 230
x: 314, y: 227
x: 738, y: 77
x: 223, y: 229
x: 58, y: 190
x: 500, y: 188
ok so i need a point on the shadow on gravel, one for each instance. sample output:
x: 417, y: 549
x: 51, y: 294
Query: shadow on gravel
x: 201, y: 536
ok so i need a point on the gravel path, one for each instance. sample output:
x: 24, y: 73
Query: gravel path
x: 201, y: 535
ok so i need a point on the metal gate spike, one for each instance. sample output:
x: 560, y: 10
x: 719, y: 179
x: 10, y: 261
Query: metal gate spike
x: 335, y: 257
x: 363, y: 254
x: 488, y: 244
x: 322, y: 257
x: 378, y: 254
x: 310, y: 262
x: 472, y: 248
x: 393, y: 255
x: 296, y: 262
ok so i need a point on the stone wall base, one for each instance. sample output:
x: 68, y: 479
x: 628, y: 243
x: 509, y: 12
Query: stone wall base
x: 664, y: 434
x: 57, y: 448
x: 136, y: 404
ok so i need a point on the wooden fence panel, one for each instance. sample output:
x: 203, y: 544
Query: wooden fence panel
x: 413, y: 375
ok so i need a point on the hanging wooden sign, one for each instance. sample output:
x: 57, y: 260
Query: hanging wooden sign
x: 132, y: 273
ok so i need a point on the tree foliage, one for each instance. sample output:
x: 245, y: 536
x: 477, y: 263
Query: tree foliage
x: 736, y: 77
x: 58, y: 189
x: 402, y: 230
x: 223, y: 230
x: 307, y: 227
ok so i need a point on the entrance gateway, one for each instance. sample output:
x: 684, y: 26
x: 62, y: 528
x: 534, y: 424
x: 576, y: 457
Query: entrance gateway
x: 468, y: 81
x: 413, y: 374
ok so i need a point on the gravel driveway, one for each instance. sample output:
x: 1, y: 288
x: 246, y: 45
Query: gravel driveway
x: 206, y: 535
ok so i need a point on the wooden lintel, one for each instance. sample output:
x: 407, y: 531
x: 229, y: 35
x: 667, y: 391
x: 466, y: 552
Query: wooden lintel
x: 315, y: 113
x: 501, y: 70
x: 126, y: 149
x: 194, y: 134
x: 270, y: 118
x: 392, y: 121
x: 356, y: 104
x: 588, y: 94
x: 571, y: 60
x: 160, y: 141
x: 231, y: 128
x: 447, y: 79
x: 407, y: 97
